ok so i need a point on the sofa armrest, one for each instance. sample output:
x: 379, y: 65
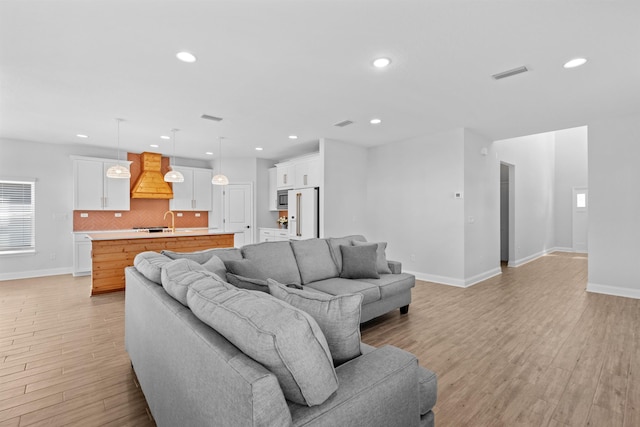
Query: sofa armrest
x: 378, y: 388
x: 395, y: 266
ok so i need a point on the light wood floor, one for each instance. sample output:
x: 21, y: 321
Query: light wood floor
x: 529, y: 347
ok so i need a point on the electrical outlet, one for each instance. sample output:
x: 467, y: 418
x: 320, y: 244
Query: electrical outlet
x: 84, y: 215
x: 457, y: 195
x: 197, y: 214
x: 52, y: 256
x: 118, y: 215
x: 179, y: 214
x: 412, y: 257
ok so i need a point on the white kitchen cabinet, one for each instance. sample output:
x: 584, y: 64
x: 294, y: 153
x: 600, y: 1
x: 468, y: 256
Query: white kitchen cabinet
x: 307, y: 172
x: 273, y: 235
x: 285, y: 175
x: 194, y: 194
x: 273, y: 189
x: 93, y: 191
x: 81, y: 255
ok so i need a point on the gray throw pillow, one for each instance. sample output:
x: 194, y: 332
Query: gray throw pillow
x: 247, y: 283
x: 381, y: 262
x: 359, y: 262
x: 215, y: 265
x: 246, y: 268
x: 314, y: 260
x: 285, y: 340
x: 338, y: 317
x: 179, y: 274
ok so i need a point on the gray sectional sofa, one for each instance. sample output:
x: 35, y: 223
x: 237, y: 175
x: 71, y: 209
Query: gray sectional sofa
x: 210, y: 353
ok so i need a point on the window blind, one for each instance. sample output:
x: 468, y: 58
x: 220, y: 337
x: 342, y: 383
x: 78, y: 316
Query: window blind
x: 17, y: 216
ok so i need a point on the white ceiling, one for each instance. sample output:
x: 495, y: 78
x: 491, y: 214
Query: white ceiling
x: 271, y: 68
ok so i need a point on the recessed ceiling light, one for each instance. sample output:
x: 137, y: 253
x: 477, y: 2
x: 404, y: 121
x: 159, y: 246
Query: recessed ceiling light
x: 186, y: 57
x: 82, y: 136
x: 209, y: 153
x: 164, y: 137
x: 375, y: 121
x: 381, y: 62
x: 258, y: 148
x: 154, y: 145
x: 576, y: 62
x: 293, y: 137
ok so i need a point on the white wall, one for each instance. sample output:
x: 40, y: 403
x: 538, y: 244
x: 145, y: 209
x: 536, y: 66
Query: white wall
x: 343, y: 202
x: 571, y: 158
x: 481, y: 209
x: 51, y: 166
x: 614, y: 211
x: 411, y: 204
x: 533, y: 158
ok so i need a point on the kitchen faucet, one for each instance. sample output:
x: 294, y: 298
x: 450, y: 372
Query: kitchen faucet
x: 173, y: 220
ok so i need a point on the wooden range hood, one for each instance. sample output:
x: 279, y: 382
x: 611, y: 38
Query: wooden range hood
x: 151, y: 183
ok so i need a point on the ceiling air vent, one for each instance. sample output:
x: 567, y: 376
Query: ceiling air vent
x: 510, y: 73
x: 208, y: 117
x: 343, y: 123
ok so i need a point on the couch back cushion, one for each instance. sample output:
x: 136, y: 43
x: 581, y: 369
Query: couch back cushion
x: 338, y: 317
x: 275, y: 260
x: 314, y: 260
x: 225, y: 254
x: 150, y: 265
x: 334, y: 246
x: 179, y: 274
x: 285, y: 340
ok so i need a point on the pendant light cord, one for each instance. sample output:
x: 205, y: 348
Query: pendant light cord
x: 118, y: 120
x: 220, y: 152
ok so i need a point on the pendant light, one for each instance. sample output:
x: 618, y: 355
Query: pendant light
x: 118, y: 171
x: 220, y: 179
x: 173, y: 175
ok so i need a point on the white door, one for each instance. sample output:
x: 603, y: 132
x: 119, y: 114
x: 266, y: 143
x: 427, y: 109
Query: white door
x: 238, y: 208
x: 580, y: 218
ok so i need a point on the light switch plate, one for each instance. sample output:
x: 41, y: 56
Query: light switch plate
x: 84, y: 215
x: 179, y: 214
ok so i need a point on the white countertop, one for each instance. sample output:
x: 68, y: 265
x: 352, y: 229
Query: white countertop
x: 129, y: 234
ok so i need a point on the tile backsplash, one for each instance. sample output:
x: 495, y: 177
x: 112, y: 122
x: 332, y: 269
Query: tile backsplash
x: 142, y: 213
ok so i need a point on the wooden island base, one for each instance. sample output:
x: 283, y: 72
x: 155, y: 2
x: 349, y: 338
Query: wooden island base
x: 110, y: 256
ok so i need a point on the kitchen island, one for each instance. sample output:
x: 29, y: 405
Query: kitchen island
x: 111, y: 252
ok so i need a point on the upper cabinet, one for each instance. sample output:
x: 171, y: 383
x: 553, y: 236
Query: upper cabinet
x: 194, y: 194
x: 93, y: 191
x: 284, y: 174
x: 302, y: 172
x: 307, y: 172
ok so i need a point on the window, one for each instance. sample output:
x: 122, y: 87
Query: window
x: 17, y: 216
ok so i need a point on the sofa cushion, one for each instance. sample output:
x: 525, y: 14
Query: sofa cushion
x: 285, y: 340
x: 339, y: 286
x: 359, y: 262
x: 393, y: 284
x: 381, y: 256
x: 275, y: 260
x: 179, y: 274
x: 225, y: 254
x: 338, y: 317
x: 150, y: 265
x: 314, y: 260
x: 334, y: 246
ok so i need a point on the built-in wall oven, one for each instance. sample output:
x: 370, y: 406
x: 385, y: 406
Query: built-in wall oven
x: 283, y: 200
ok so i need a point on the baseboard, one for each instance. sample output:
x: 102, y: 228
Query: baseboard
x: 443, y: 280
x: 451, y: 281
x: 561, y: 249
x: 527, y: 259
x: 613, y: 290
x: 482, y: 277
x: 36, y: 273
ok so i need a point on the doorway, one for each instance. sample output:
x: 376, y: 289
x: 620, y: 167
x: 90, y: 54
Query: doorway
x: 507, y: 213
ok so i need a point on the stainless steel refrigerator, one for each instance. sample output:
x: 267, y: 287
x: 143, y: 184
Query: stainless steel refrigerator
x: 303, y: 213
